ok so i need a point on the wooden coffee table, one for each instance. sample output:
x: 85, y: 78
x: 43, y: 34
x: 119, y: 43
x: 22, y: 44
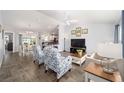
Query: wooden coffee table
x: 75, y: 58
x: 95, y: 72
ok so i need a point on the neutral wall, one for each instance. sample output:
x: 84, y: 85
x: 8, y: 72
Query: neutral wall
x: 97, y: 33
x: 15, y: 40
x: 1, y: 52
x: 122, y: 28
x: 61, y: 37
x: 1, y: 42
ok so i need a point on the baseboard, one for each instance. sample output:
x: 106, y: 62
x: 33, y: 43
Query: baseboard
x: 1, y: 61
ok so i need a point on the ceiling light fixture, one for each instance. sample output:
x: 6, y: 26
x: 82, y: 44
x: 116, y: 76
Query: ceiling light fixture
x: 29, y: 32
x: 68, y: 20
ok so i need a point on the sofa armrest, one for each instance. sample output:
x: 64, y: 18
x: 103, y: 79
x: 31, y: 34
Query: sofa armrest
x: 90, y: 59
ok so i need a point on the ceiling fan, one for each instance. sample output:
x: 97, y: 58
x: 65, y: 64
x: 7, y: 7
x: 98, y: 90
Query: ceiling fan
x: 68, y: 20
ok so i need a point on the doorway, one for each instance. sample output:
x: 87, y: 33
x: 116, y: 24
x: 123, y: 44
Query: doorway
x: 8, y: 41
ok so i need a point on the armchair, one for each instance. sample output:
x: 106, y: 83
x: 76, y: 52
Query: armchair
x: 106, y: 62
x: 34, y: 53
x: 57, y: 63
x: 94, y: 58
x: 38, y: 54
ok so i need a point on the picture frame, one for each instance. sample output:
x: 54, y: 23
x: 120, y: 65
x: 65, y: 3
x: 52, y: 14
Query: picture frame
x: 78, y: 33
x: 85, y: 31
x: 78, y: 28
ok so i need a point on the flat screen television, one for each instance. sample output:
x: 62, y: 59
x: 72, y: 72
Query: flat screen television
x: 77, y: 42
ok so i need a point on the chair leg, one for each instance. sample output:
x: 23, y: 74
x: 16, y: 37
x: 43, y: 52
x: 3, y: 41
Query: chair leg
x: 34, y: 61
x: 46, y: 71
x: 69, y: 70
x: 39, y: 65
x: 57, y: 80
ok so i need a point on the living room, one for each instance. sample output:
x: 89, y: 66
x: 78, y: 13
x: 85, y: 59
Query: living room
x: 89, y: 30
x: 33, y: 29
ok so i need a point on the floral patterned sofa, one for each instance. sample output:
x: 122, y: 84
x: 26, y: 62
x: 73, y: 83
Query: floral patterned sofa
x: 57, y: 63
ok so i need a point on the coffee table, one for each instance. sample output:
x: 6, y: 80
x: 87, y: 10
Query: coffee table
x: 94, y: 72
x: 75, y: 58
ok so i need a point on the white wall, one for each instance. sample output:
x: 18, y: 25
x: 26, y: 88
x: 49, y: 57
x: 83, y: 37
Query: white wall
x: 61, y: 37
x: 1, y: 52
x: 1, y: 42
x: 15, y: 40
x: 97, y: 33
x: 112, y: 50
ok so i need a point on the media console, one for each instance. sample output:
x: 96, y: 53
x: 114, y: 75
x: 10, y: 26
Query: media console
x: 74, y: 49
x: 78, y: 45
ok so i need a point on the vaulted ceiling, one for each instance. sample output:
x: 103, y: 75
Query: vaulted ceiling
x: 86, y: 16
x: 46, y: 20
x: 27, y: 20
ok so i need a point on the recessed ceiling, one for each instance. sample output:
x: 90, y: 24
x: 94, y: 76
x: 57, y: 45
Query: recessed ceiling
x: 86, y: 16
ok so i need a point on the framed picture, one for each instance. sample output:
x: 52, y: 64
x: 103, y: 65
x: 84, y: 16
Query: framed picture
x: 78, y: 33
x: 84, y: 31
x: 73, y: 32
x: 78, y: 28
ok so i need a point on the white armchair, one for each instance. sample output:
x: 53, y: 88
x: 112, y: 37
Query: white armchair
x: 94, y: 58
x: 56, y: 62
x: 108, y: 63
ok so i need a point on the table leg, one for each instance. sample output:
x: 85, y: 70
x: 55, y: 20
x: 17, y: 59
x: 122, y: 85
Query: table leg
x: 86, y: 77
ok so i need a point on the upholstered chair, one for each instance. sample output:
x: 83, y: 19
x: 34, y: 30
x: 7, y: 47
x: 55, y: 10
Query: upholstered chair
x: 56, y: 62
x: 34, y: 54
x: 38, y: 54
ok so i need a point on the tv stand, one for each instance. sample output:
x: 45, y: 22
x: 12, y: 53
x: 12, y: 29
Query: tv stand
x: 74, y: 49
